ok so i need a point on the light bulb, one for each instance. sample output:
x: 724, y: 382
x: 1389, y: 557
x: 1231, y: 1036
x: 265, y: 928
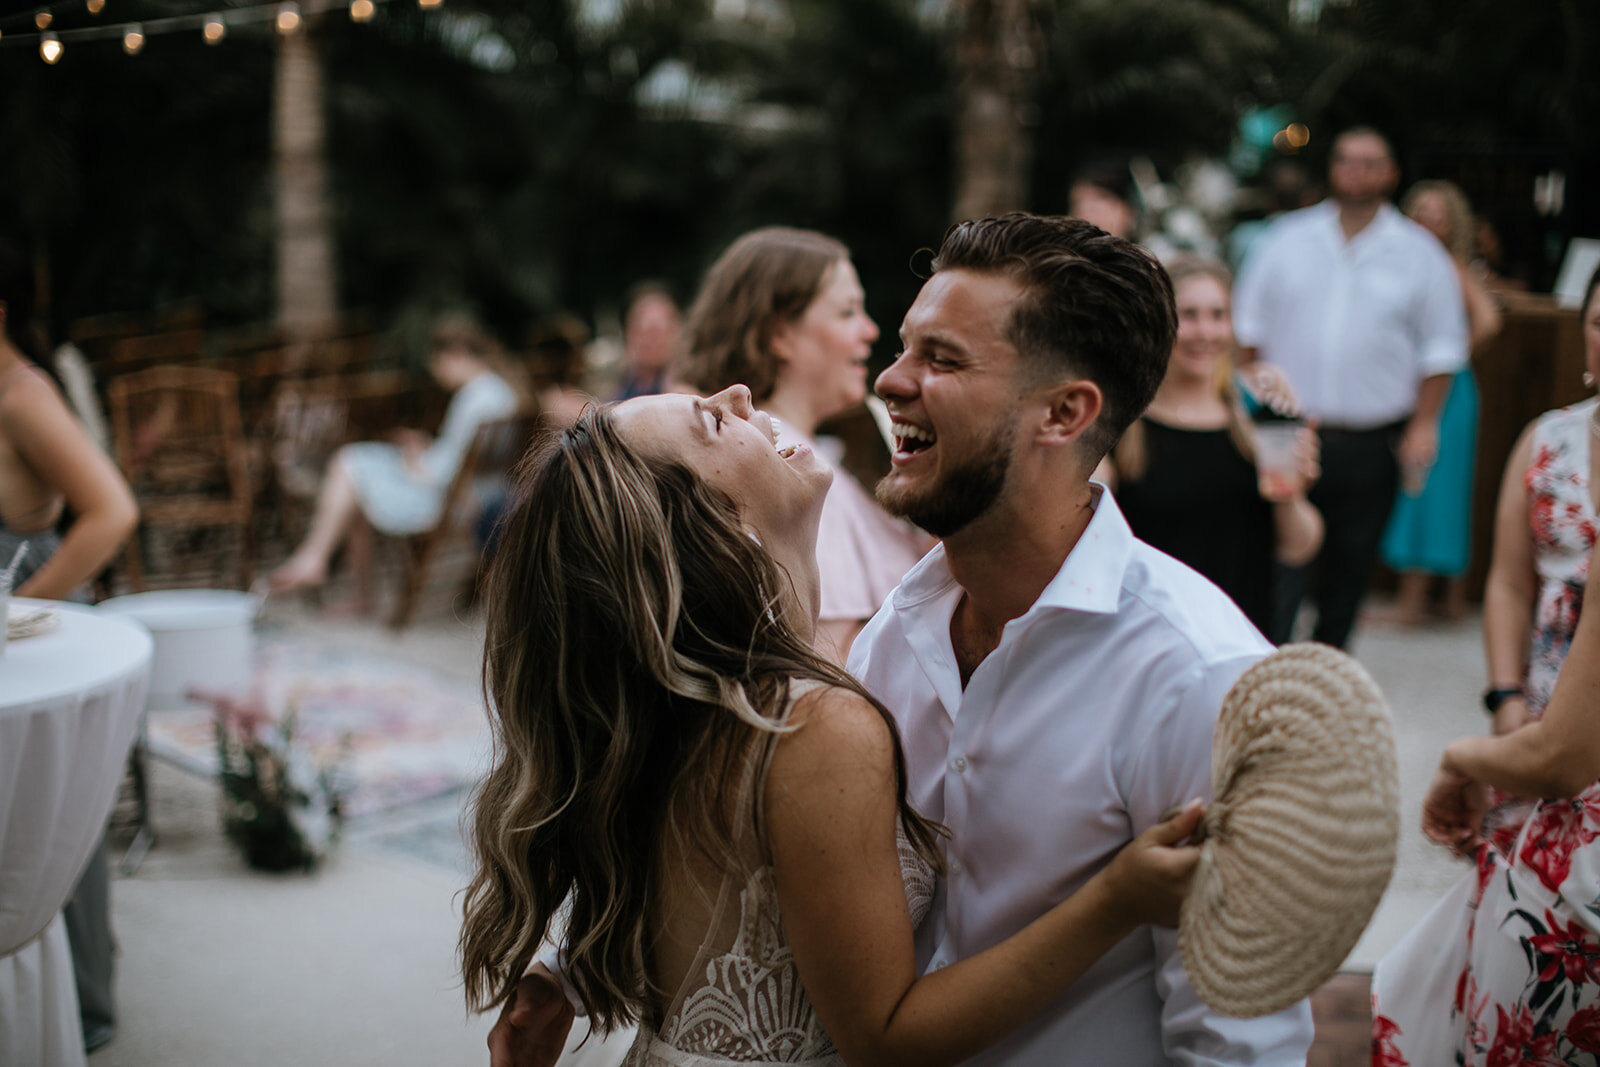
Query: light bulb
x: 133, y: 40
x: 95, y: 6
x: 50, y: 48
x: 42, y: 18
x: 362, y: 10
x: 214, y: 30
x: 429, y: 5
x: 288, y: 19
x: 1298, y: 135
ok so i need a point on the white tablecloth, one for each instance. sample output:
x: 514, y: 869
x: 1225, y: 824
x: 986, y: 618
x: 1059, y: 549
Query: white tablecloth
x: 69, y: 709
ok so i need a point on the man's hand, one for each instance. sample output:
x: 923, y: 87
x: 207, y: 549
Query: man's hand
x: 1419, y: 447
x: 1452, y: 812
x: 534, y: 1024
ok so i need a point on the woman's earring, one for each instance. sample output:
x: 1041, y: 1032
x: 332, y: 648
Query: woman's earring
x: 1588, y: 380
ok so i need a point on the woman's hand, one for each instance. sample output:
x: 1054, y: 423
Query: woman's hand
x: 1149, y: 878
x: 1271, y: 386
x: 1452, y: 812
x: 1307, y: 457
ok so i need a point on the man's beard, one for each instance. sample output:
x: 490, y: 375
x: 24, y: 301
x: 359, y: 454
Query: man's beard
x: 962, y: 495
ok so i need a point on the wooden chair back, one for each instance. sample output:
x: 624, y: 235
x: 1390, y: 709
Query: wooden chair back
x: 180, y: 444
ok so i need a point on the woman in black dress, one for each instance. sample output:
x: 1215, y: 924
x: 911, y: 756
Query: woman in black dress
x: 1185, y: 474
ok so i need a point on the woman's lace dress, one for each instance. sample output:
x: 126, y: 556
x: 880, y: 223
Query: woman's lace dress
x: 742, y: 1001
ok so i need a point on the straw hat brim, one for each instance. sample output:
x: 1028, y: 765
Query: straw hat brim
x: 1300, y: 839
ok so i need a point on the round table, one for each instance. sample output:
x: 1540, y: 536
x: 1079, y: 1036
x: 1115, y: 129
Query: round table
x: 70, y: 702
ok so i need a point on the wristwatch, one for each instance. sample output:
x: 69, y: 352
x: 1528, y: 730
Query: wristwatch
x: 1493, y: 698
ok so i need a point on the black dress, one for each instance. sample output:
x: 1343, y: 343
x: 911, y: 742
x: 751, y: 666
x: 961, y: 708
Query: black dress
x: 1198, y: 502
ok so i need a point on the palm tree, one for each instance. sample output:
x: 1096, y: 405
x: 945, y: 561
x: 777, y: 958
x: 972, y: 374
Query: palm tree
x: 307, y: 300
x: 997, y: 48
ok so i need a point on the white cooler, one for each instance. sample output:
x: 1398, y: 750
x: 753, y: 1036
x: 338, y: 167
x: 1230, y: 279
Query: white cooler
x: 204, y: 639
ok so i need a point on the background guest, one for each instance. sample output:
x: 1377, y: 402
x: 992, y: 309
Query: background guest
x: 1544, y: 536
x: 1519, y: 937
x: 48, y: 464
x: 398, y: 488
x: 781, y: 312
x: 1185, y: 473
x: 48, y: 468
x: 1102, y: 193
x: 1361, y: 308
x: 651, y: 329
x: 1429, y: 531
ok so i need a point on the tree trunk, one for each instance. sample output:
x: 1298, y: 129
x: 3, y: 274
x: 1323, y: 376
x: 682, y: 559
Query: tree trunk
x: 307, y: 304
x: 997, y: 48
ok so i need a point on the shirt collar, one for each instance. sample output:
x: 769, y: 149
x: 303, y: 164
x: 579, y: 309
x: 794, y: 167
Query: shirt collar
x: 1090, y: 579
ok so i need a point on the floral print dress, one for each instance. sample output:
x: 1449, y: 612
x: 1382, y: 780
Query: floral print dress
x: 1506, y: 968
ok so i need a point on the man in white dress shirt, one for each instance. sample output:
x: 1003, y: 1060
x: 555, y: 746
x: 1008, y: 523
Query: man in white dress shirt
x: 1361, y: 308
x: 1055, y: 680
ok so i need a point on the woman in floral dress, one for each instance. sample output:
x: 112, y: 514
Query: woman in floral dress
x: 1506, y: 969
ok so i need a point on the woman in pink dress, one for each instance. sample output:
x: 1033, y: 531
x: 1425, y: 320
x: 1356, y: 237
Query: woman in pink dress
x: 781, y: 311
x: 1506, y: 969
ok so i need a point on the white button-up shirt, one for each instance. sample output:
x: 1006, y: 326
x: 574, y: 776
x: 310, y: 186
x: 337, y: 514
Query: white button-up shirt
x: 1358, y: 324
x: 1087, y: 723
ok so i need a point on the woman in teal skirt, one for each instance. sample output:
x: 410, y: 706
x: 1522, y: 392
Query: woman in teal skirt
x: 1429, y: 530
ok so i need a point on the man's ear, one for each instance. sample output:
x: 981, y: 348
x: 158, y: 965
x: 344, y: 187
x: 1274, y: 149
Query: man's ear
x: 1071, y: 409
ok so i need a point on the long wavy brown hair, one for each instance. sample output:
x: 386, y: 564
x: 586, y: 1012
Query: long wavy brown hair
x: 763, y: 280
x: 638, y: 652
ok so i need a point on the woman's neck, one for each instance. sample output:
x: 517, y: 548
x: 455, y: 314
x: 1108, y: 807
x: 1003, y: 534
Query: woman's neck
x: 799, y: 562
x: 792, y: 409
x: 1188, y: 401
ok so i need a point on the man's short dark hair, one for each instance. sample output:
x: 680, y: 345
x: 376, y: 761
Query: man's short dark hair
x: 1367, y: 131
x: 1095, y: 306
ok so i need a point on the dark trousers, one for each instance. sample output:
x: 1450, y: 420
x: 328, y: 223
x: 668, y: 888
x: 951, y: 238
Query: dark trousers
x: 1360, y: 476
x: 88, y: 918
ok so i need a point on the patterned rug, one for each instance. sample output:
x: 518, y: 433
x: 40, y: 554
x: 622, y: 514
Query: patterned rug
x: 410, y: 732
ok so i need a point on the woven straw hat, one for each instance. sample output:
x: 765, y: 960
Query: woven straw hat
x: 1300, y: 840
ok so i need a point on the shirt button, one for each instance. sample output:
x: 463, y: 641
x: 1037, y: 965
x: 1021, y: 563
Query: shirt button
x: 960, y: 764
x: 955, y: 866
x: 939, y: 966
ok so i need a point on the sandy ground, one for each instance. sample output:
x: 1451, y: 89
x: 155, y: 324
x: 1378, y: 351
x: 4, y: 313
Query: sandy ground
x: 354, y: 965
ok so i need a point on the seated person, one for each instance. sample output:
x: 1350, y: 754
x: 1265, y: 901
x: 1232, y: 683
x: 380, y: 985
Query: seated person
x: 398, y: 488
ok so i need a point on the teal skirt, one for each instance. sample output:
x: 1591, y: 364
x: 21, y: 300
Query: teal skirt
x: 1431, y: 532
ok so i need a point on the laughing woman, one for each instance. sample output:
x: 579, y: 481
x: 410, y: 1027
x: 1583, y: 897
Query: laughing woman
x: 719, y: 810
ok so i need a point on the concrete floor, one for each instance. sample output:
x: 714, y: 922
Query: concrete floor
x: 354, y: 965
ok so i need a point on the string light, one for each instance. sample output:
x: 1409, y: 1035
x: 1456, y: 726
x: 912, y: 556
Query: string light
x: 285, y: 16
x: 1297, y: 135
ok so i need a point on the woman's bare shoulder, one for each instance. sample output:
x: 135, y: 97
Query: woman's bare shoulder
x: 830, y: 726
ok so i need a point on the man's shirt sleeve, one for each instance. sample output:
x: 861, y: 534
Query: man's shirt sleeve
x: 1174, y: 768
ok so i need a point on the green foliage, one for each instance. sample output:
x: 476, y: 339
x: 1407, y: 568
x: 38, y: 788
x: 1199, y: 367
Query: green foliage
x: 525, y: 156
